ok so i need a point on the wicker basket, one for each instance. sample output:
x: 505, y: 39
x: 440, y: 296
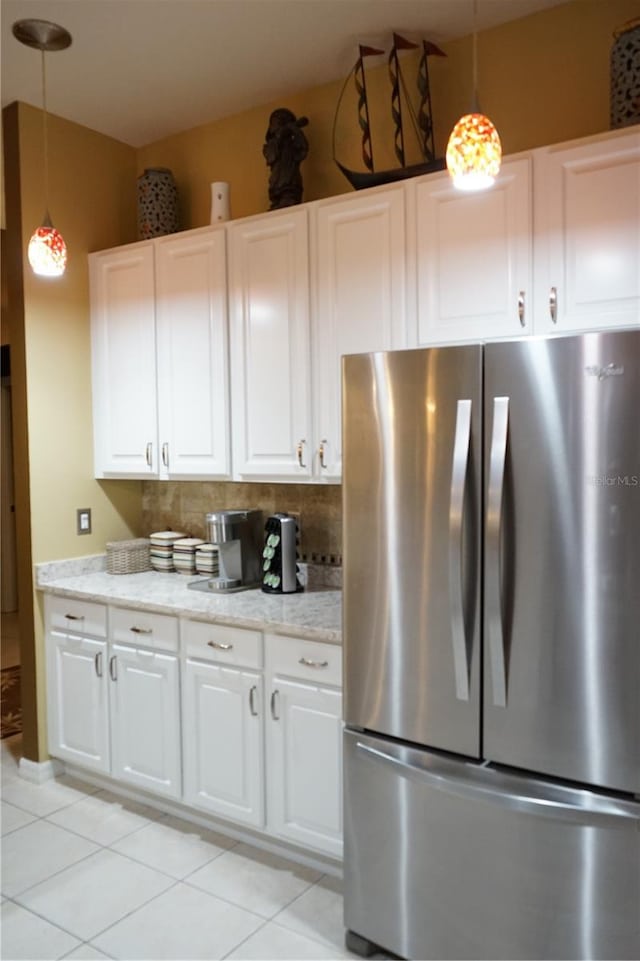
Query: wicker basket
x: 128, y: 557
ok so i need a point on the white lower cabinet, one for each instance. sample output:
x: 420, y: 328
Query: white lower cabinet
x: 113, y: 707
x: 264, y: 753
x: 223, y: 755
x: 78, y: 700
x: 231, y: 722
x: 145, y: 719
x: 304, y: 742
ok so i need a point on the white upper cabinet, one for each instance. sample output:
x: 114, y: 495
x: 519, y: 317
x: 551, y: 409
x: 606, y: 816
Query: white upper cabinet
x: 473, y: 257
x: 360, y: 300
x: 160, y: 358
x: 193, y: 390
x: 123, y: 341
x: 587, y: 217
x: 269, y: 321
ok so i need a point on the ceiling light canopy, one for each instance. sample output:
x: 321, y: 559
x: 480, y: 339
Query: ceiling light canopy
x: 47, y: 251
x: 474, y: 151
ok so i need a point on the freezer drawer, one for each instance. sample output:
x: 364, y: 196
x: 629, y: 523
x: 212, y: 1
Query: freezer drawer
x: 446, y: 859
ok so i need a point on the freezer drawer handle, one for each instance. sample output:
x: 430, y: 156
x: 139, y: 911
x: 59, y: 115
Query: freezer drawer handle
x: 595, y: 812
x: 497, y: 463
x: 456, y: 516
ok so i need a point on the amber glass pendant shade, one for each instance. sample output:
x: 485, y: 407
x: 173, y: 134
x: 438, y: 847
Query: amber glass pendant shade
x: 47, y: 251
x: 474, y: 152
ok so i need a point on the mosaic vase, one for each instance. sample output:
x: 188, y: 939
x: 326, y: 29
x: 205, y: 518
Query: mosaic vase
x: 625, y: 75
x: 157, y: 203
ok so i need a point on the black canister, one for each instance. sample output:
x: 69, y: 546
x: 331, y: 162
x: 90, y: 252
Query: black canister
x: 280, y: 554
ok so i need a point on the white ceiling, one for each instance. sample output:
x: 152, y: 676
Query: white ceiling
x: 140, y: 70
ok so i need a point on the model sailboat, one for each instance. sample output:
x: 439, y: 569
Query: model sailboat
x: 421, y: 122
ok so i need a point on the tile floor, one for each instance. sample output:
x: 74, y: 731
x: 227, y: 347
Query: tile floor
x: 88, y: 875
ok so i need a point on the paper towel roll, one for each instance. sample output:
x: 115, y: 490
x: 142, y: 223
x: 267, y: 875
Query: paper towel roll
x: 219, y: 202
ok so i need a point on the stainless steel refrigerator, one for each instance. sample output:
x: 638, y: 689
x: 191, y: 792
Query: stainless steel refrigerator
x: 491, y: 625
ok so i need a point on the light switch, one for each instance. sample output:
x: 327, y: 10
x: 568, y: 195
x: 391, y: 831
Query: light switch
x: 83, y: 520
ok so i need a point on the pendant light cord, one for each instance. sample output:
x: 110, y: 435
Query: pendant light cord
x: 45, y: 140
x: 474, y: 105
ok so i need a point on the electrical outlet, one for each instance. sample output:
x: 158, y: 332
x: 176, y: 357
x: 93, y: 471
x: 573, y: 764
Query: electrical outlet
x: 83, y: 520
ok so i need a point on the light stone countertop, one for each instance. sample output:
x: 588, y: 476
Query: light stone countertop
x: 314, y: 614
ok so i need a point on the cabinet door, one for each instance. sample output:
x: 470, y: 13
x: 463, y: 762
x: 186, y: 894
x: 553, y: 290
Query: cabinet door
x: 473, y: 257
x: 145, y: 720
x: 269, y: 317
x: 223, y: 755
x: 123, y: 345
x: 588, y: 234
x: 360, y: 302
x: 77, y: 700
x: 304, y: 765
x: 191, y: 314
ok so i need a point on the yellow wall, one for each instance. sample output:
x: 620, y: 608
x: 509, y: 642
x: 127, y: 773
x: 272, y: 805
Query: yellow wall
x: 542, y: 79
x: 92, y: 191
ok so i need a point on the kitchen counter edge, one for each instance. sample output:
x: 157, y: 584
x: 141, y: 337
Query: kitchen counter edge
x: 313, y: 614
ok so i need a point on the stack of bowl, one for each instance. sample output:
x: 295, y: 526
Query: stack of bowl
x: 207, y: 559
x: 161, y: 544
x: 184, y: 554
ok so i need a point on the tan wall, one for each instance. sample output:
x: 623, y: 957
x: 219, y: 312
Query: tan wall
x: 542, y: 79
x: 92, y: 186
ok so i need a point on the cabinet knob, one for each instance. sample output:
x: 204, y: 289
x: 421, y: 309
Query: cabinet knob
x: 299, y: 450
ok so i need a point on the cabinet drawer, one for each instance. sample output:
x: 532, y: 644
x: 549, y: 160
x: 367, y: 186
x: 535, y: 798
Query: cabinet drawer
x: 309, y: 660
x: 217, y: 642
x: 79, y: 617
x: 145, y: 628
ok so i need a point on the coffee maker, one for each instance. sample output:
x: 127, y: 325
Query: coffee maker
x: 238, y: 536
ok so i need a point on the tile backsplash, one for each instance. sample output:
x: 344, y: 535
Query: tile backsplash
x: 182, y: 505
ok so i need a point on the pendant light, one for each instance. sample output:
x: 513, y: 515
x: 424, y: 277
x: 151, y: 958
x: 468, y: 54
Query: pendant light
x: 47, y: 251
x: 474, y: 151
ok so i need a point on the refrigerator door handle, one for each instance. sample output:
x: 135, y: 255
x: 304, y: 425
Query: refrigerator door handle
x: 511, y: 792
x: 497, y: 462
x: 456, y: 516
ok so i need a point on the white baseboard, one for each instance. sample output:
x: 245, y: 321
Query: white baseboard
x: 38, y: 773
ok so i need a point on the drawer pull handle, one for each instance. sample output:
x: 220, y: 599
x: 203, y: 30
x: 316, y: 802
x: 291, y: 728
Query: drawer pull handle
x: 220, y: 647
x: 141, y: 630
x: 149, y: 454
x: 98, y: 663
x: 74, y: 617
x: 309, y: 663
x: 276, y: 694
x: 252, y: 701
x: 299, y: 451
x: 113, y: 672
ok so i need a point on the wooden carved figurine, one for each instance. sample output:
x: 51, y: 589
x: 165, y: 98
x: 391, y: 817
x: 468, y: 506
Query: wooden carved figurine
x: 284, y: 150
